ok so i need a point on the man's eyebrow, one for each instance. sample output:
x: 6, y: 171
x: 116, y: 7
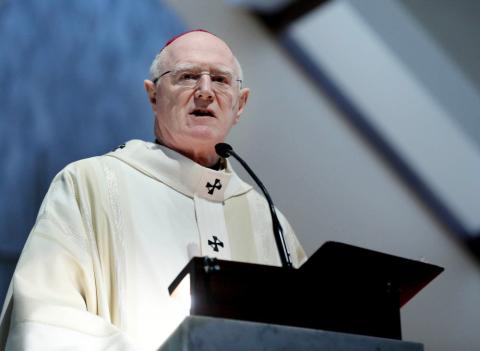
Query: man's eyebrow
x: 185, y: 66
x: 223, y: 70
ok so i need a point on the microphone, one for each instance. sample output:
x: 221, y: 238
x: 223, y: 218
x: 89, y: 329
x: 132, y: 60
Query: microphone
x: 225, y: 150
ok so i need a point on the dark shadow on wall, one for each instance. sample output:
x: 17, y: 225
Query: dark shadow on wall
x: 71, y: 86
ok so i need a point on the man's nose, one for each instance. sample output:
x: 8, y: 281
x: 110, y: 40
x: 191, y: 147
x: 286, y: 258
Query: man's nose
x: 204, y: 90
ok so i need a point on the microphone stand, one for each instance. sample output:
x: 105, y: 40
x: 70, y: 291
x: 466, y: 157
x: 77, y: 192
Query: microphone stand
x: 225, y: 150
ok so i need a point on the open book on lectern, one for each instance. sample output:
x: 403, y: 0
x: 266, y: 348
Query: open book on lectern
x: 341, y: 287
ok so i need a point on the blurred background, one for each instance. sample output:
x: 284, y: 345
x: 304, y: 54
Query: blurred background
x: 363, y: 121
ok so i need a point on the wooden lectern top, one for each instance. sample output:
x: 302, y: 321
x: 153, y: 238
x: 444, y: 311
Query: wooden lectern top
x: 341, y: 288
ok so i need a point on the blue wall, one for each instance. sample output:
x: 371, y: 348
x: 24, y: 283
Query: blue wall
x: 71, y: 86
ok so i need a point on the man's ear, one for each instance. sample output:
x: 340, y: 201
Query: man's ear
x: 151, y: 90
x: 242, y: 101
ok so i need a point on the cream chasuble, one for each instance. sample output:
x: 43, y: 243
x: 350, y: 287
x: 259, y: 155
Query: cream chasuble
x: 111, y: 235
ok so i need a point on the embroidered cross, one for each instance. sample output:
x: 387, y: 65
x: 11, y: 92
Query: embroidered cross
x: 211, y: 188
x: 215, y: 243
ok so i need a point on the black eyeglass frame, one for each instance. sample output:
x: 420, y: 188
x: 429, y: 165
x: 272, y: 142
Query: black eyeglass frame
x: 155, y: 80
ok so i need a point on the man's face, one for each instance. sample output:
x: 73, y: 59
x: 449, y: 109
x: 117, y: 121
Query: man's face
x: 197, y: 116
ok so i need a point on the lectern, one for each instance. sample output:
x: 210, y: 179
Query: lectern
x: 341, y: 288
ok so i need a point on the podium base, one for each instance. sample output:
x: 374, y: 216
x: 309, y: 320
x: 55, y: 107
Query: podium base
x: 198, y: 333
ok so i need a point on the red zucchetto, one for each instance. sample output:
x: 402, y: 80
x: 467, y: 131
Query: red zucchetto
x: 171, y: 40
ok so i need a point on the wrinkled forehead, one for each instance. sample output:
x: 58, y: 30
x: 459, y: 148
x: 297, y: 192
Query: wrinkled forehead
x: 201, y: 49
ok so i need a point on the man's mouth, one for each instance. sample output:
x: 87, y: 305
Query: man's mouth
x: 201, y: 112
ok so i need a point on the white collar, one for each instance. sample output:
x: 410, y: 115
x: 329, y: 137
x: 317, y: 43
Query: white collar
x: 179, y: 172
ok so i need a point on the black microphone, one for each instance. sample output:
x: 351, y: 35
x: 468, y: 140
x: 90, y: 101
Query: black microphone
x: 225, y: 150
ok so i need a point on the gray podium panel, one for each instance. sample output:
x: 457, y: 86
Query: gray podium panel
x: 198, y: 333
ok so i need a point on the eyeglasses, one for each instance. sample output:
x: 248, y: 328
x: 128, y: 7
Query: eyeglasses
x: 189, y: 78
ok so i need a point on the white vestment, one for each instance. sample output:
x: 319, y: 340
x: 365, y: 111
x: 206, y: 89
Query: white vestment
x: 111, y: 235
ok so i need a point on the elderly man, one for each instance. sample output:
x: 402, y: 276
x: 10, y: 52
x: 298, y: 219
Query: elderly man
x: 115, y: 230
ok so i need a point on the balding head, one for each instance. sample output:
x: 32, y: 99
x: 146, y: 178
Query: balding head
x: 189, y: 39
